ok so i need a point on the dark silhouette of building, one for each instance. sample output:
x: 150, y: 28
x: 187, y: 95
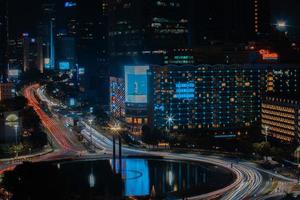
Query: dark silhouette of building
x: 229, y: 20
x: 3, y: 40
x: 142, y: 32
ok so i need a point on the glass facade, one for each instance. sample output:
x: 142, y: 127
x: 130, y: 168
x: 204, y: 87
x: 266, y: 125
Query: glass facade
x: 280, y: 118
x: 219, y: 97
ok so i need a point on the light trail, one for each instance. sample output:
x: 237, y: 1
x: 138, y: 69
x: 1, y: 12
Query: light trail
x: 50, y: 124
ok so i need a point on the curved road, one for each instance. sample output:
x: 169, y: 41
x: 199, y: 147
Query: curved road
x: 249, y: 182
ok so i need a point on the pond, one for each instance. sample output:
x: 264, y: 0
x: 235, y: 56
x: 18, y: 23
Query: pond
x: 102, y: 179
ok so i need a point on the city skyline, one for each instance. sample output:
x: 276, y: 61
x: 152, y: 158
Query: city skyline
x: 149, y: 99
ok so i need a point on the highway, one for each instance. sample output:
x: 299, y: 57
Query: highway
x: 57, y: 130
x: 249, y: 182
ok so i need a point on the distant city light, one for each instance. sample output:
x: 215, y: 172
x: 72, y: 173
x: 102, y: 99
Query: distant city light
x: 281, y: 25
x: 69, y: 4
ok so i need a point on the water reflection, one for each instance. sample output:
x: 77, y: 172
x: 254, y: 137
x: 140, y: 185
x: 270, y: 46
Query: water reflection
x: 96, y: 180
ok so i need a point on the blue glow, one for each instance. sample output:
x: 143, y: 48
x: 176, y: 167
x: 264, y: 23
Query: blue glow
x: 64, y: 65
x: 136, y: 81
x: 81, y: 71
x: 47, y: 65
x: 72, y: 102
x: 69, y: 4
x: 185, y: 90
x: 159, y: 107
x: 137, y: 182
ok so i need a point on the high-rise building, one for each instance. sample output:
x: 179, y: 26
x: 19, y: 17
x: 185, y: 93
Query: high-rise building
x: 15, y: 54
x: 46, y: 31
x: 3, y: 40
x: 136, y: 97
x: 280, y: 118
x: 32, y: 53
x: 92, y: 48
x: 215, y: 21
x: 223, y: 99
x: 117, y: 97
x: 7, y: 91
x: 141, y: 31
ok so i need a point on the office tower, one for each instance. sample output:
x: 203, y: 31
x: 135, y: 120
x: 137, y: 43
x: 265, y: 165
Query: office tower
x: 280, y: 118
x: 117, y: 97
x: 3, y: 40
x: 92, y: 48
x: 46, y: 31
x: 231, y: 21
x: 32, y: 53
x: 143, y: 31
x: 222, y: 99
x: 136, y: 97
x: 15, y: 57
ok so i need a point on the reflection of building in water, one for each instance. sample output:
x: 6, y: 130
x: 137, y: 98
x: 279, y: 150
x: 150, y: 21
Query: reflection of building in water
x: 144, y: 178
x: 185, y: 179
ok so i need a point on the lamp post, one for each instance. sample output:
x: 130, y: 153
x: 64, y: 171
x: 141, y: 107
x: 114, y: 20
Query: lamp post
x: 281, y: 25
x: 16, y: 127
x: 266, y: 133
x: 90, y: 120
x: 115, y: 130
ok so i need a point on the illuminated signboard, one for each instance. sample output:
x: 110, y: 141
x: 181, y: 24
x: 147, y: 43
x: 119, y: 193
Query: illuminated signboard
x: 69, y: 4
x: 14, y: 72
x: 64, y: 65
x: 267, y: 55
x: 136, y: 86
x: 185, y: 90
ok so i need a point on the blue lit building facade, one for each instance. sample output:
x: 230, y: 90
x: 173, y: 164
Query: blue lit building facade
x: 117, y: 97
x: 224, y: 99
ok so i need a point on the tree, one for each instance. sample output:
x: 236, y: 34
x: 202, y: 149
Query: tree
x: 151, y: 136
x: 17, y: 103
x: 30, y: 119
x: 262, y: 148
x: 15, y: 149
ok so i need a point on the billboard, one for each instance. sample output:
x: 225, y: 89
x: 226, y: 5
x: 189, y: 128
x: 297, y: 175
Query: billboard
x: 64, y: 65
x: 136, y: 84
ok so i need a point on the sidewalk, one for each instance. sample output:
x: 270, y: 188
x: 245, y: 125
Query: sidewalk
x: 25, y: 158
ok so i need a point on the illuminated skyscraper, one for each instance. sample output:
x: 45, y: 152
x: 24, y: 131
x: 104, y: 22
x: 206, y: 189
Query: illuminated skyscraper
x: 3, y: 40
x: 142, y: 31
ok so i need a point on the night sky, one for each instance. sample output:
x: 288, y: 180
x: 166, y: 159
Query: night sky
x: 24, y: 14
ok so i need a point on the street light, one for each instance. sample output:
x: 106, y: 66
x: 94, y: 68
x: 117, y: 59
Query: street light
x: 170, y: 121
x: 266, y: 132
x: 116, y: 128
x: 281, y: 25
x: 16, y: 127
